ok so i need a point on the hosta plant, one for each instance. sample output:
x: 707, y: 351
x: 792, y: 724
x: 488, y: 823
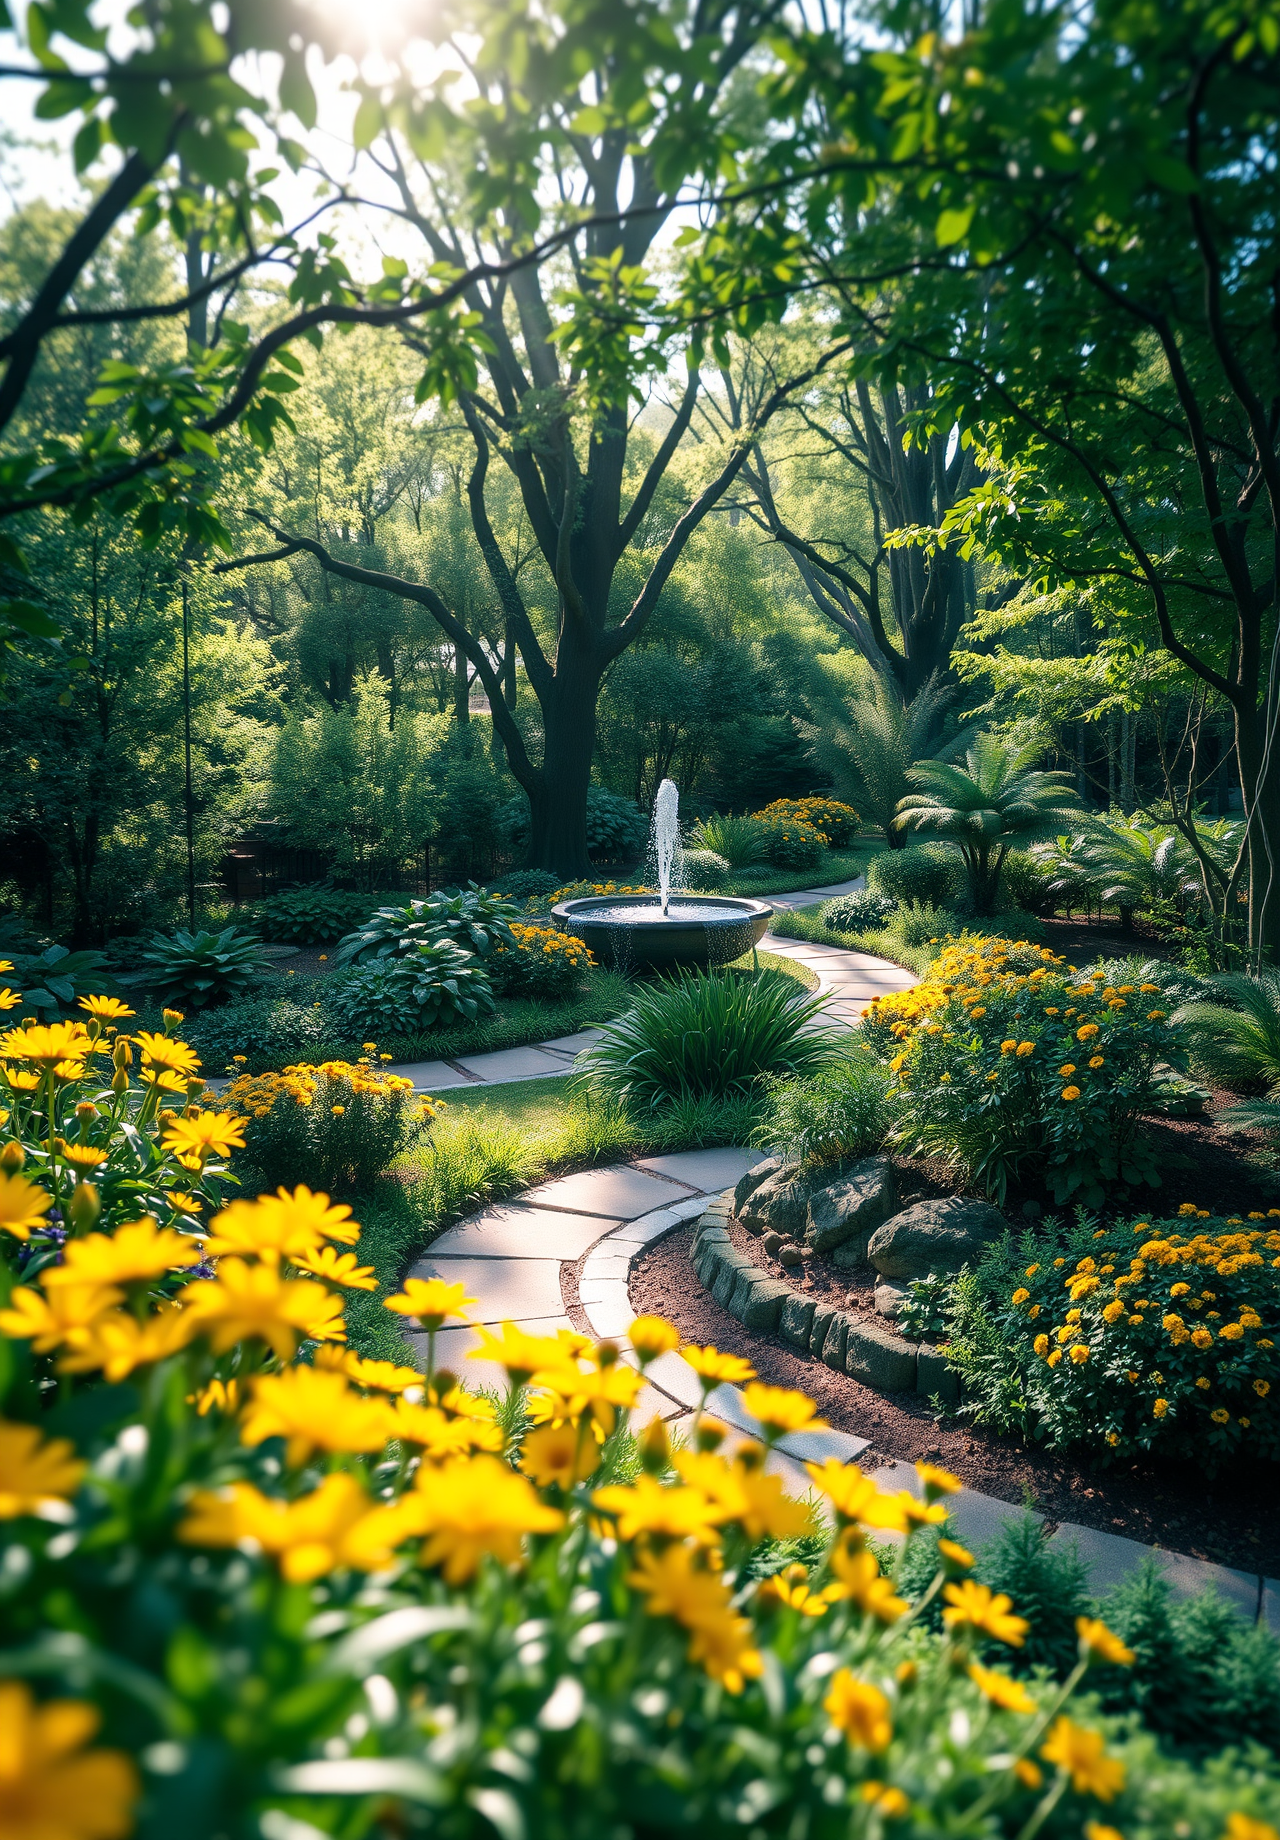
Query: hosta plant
x: 309, y: 916
x: 52, y: 979
x: 437, y: 983
x: 473, y: 920
x: 196, y: 969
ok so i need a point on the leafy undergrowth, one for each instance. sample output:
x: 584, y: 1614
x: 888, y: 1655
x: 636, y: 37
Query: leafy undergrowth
x: 805, y: 924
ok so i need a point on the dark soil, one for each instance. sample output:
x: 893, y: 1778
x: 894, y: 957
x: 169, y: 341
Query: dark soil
x: 1230, y: 1521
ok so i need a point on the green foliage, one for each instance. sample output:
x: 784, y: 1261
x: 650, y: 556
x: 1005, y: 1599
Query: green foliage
x: 53, y: 978
x: 709, y: 1033
x: 337, y: 1126
x: 473, y: 920
x: 1025, y: 879
x: 923, y: 872
x: 790, y: 843
x: 987, y: 806
x: 926, y: 1308
x: 524, y: 885
x: 804, y: 923
x: 433, y: 985
x: 1135, y: 865
x: 860, y: 912
x: 617, y: 830
x: 736, y: 841
x: 1235, y: 1039
x: 540, y: 962
x: 193, y: 970
x: 704, y: 870
x: 842, y: 1111
x: 919, y: 923
x: 265, y: 1031
x: 872, y: 736
x: 308, y: 916
x: 1170, y: 1347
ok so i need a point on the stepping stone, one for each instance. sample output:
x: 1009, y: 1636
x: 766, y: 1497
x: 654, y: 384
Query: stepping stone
x: 504, y: 1289
x: 430, y: 1076
x: 979, y: 1519
x: 1269, y: 1611
x: 1111, y: 1558
x: 574, y: 1044
x: 514, y: 1064
x: 709, y: 1170
x: 516, y: 1232
x: 623, y: 1192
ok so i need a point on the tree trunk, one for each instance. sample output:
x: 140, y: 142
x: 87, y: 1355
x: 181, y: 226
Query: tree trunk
x: 558, y: 800
x: 1262, y: 804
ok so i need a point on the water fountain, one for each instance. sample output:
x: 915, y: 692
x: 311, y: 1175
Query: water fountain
x: 633, y: 931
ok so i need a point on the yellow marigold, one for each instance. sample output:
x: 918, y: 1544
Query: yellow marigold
x: 207, y: 1134
x: 1025, y: 1048
x: 431, y: 1300
x: 1070, y: 1092
x: 1113, y: 1311
x: 1080, y: 1354
x: 1086, y: 1031
x: 713, y: 1368
x: 1041, y: 1344
x: 1054, y: 1358
x: 1231, y: 1332
x: 1160, y: 1408
x: 472, y: 1506
x: 1262, y: 1388
x: 160, y: 1053
x: 780, y: 1410
x: 1020, y: 1295
x: 859, y: 1710
x: 1082, y: 1754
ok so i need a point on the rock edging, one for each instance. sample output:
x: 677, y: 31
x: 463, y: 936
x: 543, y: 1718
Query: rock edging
x: 766, y: 1305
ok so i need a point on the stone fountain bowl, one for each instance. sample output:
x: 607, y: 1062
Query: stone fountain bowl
x: 628, y: 930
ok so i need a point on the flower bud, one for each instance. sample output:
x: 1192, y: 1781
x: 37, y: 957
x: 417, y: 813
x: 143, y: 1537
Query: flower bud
x: 122, y: 1053
x: 655, y: 1448
x: 84, y: 1207
x: 120, y: 1081
x: 173, y: 1018
x: 606, y: 1354
x: 86, y: 1109
x: 12, y: 1157
x: 711, y: 1434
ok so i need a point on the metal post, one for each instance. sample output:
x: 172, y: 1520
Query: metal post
x: 186, y: 728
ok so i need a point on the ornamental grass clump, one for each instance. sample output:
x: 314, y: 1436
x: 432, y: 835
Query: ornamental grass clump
x: 340, y: 1123
x: 1158, y: 1337
x: 540, y: 962
x: 1011, y: 1064
x: 259, y: 1584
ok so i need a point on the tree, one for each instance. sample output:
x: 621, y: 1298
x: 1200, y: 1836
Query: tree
x: 994, y: 803
x: 1090, y: 235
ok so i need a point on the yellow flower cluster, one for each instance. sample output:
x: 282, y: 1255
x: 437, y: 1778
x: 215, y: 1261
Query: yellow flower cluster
x: 258, y: 1094
x: 829, y: 817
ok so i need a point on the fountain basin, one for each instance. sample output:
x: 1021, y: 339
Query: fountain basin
x: 631, y: 931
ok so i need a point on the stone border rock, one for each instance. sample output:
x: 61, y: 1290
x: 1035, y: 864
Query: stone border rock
x: 766, y: 1305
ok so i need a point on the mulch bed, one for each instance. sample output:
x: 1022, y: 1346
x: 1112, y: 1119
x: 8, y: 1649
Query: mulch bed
x: 1231, y: 1521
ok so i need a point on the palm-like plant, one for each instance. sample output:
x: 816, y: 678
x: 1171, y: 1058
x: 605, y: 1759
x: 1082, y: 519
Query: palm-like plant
x: 1135, y: 865
x: 870, y: 748
x: 1237, y: 1041
x: 997, y: 801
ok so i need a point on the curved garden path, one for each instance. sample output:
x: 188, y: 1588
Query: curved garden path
x: 511, y: 1258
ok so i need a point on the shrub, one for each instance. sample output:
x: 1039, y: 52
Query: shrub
x: 860, y: 912
x: 262, y: 1031
x: 704, y: 870
x: 921, y: 872
x: 1157, y: 1337
x: 51, y: 978
x: 1008, y: 1063
x: 736, y: 840
x: 523, y: 884
x: 540, y: 962
x: 1235, y: 1040
x: 707, y: 1032
x: 472, y: 920
x: 1026, y: 880
x: 196, y: 969
x: 917, y: 923
x: 437, y: 984
x: 834, y: 822
x: 309, y: 916
x: 617, y: 830
x: 791, y: 844
x: 338, y: 1124
x: 842, y: 1111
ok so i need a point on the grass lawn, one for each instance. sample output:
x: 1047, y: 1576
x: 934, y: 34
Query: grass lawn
x: 836, y: 866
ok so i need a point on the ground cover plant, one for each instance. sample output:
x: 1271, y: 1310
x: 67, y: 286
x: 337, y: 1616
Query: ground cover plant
x: 1010, y: 1063
x: 309, y: 916
x: 1154, y: 1336
x: 311, y: 1514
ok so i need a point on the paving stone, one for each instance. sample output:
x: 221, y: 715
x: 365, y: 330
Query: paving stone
x: 818, y: 1446
x: 522, y: 1232
x: 704, y: 1169
x: 574, y: 1044
x: 623, y: 1192
x: 503, y: 1288
x: 603, y: 1290
x: 430, y: 1076
x: 1189, y: 1577
x: 650, y: 1226
x: 607, y: 1265
x: 978, y: 1518
x: 675, y: 1376
x: 609, y: 1319
x: 1111, y: 1558
x: 514, y: 1064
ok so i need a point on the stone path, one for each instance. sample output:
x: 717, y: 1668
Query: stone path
x: 511, y: 1258
x: 849, y: 980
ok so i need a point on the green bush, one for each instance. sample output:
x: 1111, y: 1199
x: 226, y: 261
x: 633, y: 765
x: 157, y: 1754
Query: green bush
x: 737, y: 840
x: 704, y: 870
x: 1128, y: 1339
x: 842, y: 1111
x: 472, y: 920
x: 309, y: 916
x: 1026, y: 880
x: 541, y: 961
x: 860, y: 912
x: 523, y: 885
x: 918, y: 923
x: 337, y: 1125
x: 791, y: 844
x: 617, y: 830
x: 435, y: 985
x: 921, y: 872
x: 193, y: 970
x: 707, y: 1032
x: 265, y: 1031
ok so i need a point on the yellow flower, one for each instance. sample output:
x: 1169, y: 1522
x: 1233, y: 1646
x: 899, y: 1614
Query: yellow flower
x: 1041, y: 1344
x: 106, y: 1009
x: 280, y: 1226
x: 1008, y: 1047
x: 338, y: 1268
x: 886, y: 1799
x: 160, y: 1053
x: 23, y: 1206
x: 646, y: 1507
x: 1070, y: 1092
x: 244, y: 1301
x: 1080, y: 1353
x: 336, y: 1525
x: 676, y: 1586
x: 780, y: 1410
x: 1220, y: 1416
x: 1101, y: 1643
x: 859, y: 1710
x: 1025, y: 1048
x: 977, y: 1606
x: 1001, y: 1689
x: 559, y: 1455
x: 1231, y: 1332
x: 1244, y: 1827
x: 1113, y: 1311
x: 115, y: 1343
x: 47, y: 1043
x: 218, y: 1396
x: 651, y: 1336
x: 712, y: 1367
x: 431, y: 1300
x: 51, y: 1787
x: 1096, y: 1061
x: 741, y: 1491
x: 133, y: 1254
x: 856, y: 1497
x: 1020, y: 1295
x: 62, y: 1317
x: 207, y: 1134
x: 955, y: 1554
x: 33, y: 1474
x: 470, y: 1506
x: 1098, y: 1830
x: 861, y: 1579
x: 1055, y: 1358
x: 314, y: 1409
x: 1262, y: 1388
x: 522, y: 1355
x: 1086, y: 1031
x: 1082, y: 1755
x: 1160, y: 1408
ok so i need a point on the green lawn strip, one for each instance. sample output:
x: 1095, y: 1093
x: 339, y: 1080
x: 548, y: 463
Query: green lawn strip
x: 805, y: 924
x: 836, y: 866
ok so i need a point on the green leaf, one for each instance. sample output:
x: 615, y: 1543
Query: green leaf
x: 953, y: 225
x: 368, y: 122
x: 1173, y: 175
x: 296, y: 94
x: 30, y: 619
